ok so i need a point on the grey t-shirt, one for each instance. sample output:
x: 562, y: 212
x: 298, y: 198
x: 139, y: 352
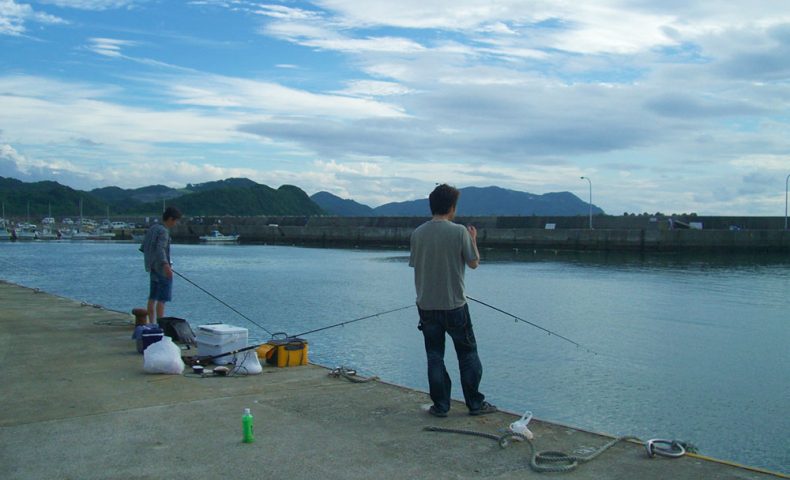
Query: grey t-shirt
x: 156, y: 248
x: 440, y: 250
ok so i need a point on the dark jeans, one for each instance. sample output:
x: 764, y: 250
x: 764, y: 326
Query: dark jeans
x: 458, y: 324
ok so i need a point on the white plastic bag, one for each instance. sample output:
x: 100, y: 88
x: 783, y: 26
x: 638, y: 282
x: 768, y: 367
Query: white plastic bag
x: 247, y: 363
x: 163, y: 356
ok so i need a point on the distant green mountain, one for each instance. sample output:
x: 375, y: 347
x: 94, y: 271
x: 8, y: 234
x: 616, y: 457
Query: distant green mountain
x: 125, y: 199
x: 234, y: 196
x: 244, y: 197
x: 254, y: 200
x: 485, y: 201
x: 474, y: 201
x: 227, y: 183
x: 41, y: 196
x: 341, y: 207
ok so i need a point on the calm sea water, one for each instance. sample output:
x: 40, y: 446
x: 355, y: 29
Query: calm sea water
x: 690, y: 347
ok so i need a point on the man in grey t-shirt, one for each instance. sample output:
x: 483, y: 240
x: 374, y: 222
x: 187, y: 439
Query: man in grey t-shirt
x: 440, y: 252
x: 156, y: 256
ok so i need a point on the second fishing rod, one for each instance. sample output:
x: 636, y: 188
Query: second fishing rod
x: 274, y: 334
x: 378, y: 314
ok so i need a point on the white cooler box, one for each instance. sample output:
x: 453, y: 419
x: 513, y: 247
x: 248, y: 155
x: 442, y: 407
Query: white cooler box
x: 220, y: 338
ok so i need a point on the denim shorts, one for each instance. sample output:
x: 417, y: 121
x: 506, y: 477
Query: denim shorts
x: 161, y: 288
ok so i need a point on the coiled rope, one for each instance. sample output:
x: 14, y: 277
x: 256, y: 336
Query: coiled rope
x: 350, y: 375
x: 545, y: 461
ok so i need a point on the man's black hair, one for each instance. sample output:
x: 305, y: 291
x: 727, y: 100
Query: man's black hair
x: 171, y: 212
x: 443, y: 198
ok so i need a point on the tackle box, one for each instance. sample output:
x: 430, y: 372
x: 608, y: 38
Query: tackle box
x: 284, y: 352
x: 219, y: 338
x: 145, y: 335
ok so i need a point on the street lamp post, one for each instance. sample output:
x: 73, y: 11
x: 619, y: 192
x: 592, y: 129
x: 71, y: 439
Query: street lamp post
x: 590, y: 182
x: 787, y: 181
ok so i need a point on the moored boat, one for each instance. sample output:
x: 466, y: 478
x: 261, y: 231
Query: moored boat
x: 25, y: 231
x: 48, y: 234
x: 217, y: 237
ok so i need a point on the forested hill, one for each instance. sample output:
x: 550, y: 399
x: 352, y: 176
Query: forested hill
x: 224, y: 197
x: 485, y: 201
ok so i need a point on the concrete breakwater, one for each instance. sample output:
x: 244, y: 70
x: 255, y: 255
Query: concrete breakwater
x: 645, y: 234
x: 130, y: 424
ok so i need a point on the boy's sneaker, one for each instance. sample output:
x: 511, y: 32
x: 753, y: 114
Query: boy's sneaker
x: 436, y: 413
x: 484, y: 409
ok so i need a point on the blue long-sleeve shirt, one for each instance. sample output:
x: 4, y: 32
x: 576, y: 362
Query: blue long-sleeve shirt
x: 156, y: 248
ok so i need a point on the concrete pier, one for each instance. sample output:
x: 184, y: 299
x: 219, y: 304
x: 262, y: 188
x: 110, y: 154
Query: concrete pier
x: 638, y: 234
x: 77, y: 405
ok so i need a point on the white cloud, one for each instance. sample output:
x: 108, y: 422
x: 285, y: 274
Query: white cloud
x: 272, y: 99
x: 13, y: 17
x: 14, y: 164
x: 108, y: 47
x: 39, y: 110
x: 92, y: 4
x: 374, y: 88
x: 323, y: 36
x: 529, y: 26
x: 582, y: 27
x: 285, y: 13
x: 778, y: 163
x: 7, y: 152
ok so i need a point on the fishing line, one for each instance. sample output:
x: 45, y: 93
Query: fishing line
x: 220, y: 301
x: 517, y: 318
x: 287, y: 337
x: 20, y: 266
x: 352, y: 321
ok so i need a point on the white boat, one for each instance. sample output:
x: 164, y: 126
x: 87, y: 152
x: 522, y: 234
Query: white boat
x: 101, y: 235
x: 4, y: 233
x: 79, y: 233
x: 48, y: 234
x: 79, y: 236
x: 217, y: 237
x: 98, y: 235
x: 26, y: 231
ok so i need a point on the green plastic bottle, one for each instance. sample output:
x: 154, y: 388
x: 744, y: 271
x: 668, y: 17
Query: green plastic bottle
x: 247, y: 427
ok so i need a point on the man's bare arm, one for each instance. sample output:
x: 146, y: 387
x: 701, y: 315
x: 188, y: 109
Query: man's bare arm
x: 473, y: 233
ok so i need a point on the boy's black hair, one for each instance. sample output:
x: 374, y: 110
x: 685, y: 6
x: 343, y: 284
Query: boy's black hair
x: 171, y: 212
x: 443, y: 198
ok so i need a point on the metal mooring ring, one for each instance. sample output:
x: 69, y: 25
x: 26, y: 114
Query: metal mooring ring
x: 675, y: 449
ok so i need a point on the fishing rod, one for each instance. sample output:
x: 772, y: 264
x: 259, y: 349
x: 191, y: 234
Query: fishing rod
x: 517, y: 318
x: 355, y: 320
x: 220, y: 301
x: 287, y: 337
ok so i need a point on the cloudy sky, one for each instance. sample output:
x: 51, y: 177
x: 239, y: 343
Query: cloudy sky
x: 670, y: 106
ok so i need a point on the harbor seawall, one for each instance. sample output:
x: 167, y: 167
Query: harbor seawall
x: 643, y: 234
